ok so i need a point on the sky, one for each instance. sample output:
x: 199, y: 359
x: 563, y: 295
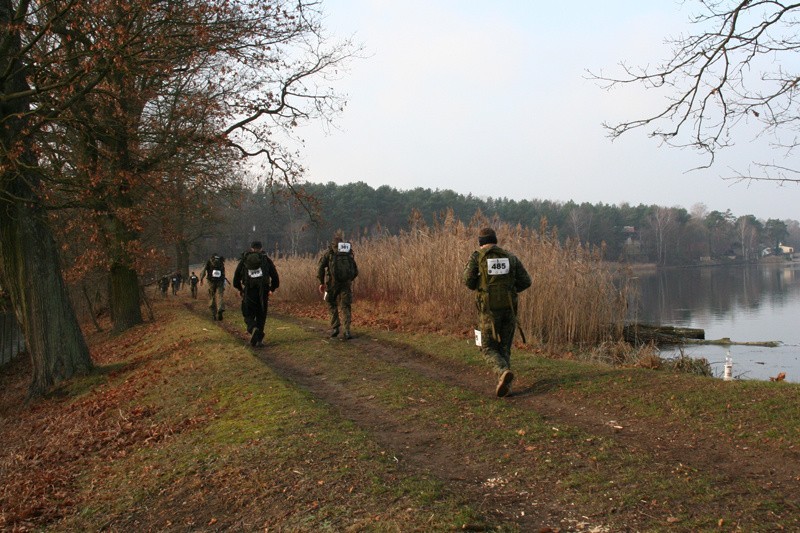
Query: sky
x: 493, y: 99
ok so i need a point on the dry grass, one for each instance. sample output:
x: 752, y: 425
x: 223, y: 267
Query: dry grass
x: 573, y: 301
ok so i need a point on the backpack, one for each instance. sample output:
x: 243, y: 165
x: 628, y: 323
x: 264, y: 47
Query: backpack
x: 254, y: 275
x: 341, y: 264
x: 217, y: 266
x: 496, y: 283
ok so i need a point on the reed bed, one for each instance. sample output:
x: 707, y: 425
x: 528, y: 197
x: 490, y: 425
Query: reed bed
x: 573, y: 302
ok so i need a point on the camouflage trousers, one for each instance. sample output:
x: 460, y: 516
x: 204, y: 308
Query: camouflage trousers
x: 497, y: 336
x: 340, y: 295
x: 216, y: 293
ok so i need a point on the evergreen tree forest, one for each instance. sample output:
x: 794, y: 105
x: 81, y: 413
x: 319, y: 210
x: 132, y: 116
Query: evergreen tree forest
x: 304, y: 223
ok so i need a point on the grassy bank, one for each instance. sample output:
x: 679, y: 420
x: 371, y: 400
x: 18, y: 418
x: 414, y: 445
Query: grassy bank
x: 184, y: 427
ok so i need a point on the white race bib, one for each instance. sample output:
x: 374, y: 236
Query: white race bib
x: 255, y: 273
x: 216, y: 273
x: 344, y: 247
x: 498, y: 266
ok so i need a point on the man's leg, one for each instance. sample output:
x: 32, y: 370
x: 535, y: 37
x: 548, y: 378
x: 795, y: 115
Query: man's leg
x: 333, y: 310
x: 212, y: 299
x: 346, y: 299
x: 261, y: 320
x: 507, y: 328
x: 492, y: 346
x: 220, y: 300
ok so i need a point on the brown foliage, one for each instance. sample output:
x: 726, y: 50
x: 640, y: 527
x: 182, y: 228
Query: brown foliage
x: 49, y: 443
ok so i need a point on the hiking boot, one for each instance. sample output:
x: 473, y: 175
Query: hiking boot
x: 219, y: 314
x: 257, y: 336
x: 347, y: 336
x: 504, y: 385
x: 335, y: 332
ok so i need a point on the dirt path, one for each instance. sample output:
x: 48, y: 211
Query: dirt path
x: 423, y: 446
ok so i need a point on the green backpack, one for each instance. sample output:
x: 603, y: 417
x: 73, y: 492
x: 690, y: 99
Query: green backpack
x: 496, y: 284
x: 342, y: 265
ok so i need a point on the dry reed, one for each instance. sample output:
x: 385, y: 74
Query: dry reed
x: 573, y: 302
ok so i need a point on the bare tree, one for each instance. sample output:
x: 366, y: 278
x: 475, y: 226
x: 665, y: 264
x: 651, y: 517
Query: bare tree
x: 662, y: 221
x: 736, y: 67
x: 748, y: 229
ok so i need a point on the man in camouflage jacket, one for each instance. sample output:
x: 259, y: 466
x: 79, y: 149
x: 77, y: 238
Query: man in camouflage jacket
x: 497, y: 322
x: 338, y: 292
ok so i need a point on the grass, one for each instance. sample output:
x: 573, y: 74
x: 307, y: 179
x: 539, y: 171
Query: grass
x: 184, y: 428
x: 189, y: 413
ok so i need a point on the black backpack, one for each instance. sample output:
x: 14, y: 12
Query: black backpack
x: 216, y: 272
x: 255, y: 273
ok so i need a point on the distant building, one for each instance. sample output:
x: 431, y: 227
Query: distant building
x: 782, y: 249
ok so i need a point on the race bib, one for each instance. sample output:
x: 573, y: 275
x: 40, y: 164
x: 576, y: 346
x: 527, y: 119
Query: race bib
x: 477, y: 337
x: 255, y: 273
x: 344, y: 247
x: 498, y: 266
x: 216, y: 273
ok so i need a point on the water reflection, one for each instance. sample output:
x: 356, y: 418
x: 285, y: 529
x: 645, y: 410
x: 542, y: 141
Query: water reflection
x: 753, y: 303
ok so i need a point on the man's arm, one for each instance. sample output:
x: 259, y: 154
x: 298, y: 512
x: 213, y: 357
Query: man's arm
x: 237, y: 276
x: 522, y: 280
x: 470, y: 275
x: 274, y: 280
x: 323, y: 264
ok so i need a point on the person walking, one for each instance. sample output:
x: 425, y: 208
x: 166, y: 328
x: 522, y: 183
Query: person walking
x: 336, y: 271
x: 215, y: 272
x: 176, y: 283
x: 256, y: 278
x: 163, y: 285
x: 193, y: 280
x: 497, y: 276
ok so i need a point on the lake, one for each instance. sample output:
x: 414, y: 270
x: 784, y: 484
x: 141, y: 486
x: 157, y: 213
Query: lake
x: 747, y: 303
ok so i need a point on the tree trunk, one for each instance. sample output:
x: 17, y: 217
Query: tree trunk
x: 29, y: 260
x: 126, y: 305
x: 182, y: 258
x: 31, y: 273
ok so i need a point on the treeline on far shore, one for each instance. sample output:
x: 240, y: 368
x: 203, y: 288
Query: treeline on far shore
x: 289, y: 225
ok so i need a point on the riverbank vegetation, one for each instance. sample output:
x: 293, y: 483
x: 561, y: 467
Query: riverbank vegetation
x: 574, y: 302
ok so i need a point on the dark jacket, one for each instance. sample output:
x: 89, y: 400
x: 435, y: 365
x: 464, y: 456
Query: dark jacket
x: 208, y: 271
x: 270, y: 279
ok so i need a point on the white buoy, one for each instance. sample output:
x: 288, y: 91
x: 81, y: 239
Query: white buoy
x: 728, y: 367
